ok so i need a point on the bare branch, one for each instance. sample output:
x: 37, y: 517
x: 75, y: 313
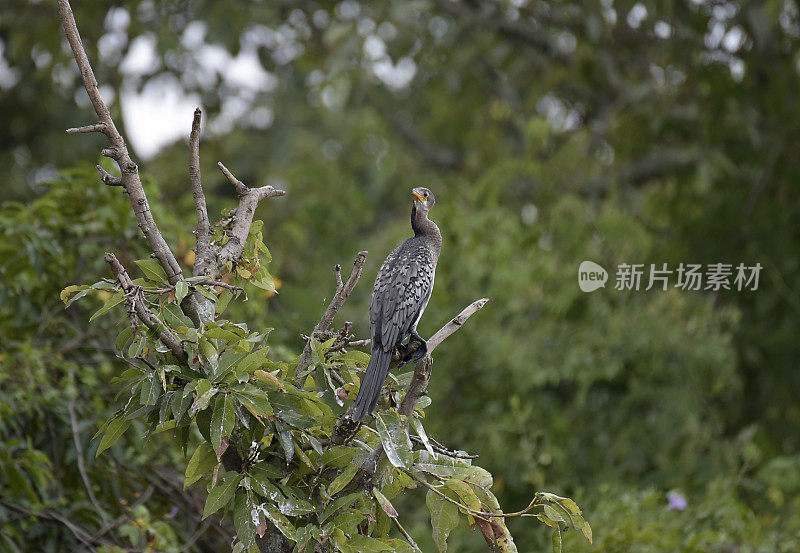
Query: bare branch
x: 455, y: 323
x: 119, y: 150
x: 97, y: 127
x: 337, y: 270
x: 243, y: 217
x: 342, y: 293
x: 422, y: 370
x: 108, y: 178
x: 203, y: 253
x: 135, y: 300
x: 240, y: 187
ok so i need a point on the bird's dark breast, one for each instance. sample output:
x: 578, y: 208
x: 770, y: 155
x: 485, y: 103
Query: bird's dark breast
x: 401, y: 292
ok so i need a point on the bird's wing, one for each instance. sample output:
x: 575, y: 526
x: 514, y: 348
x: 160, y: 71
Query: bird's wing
x: 402, y: 290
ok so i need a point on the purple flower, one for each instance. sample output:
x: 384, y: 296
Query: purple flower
x: 172, y: 512
x: 676, y: 501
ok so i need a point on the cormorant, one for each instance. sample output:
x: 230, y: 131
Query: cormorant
x: 401, y: 293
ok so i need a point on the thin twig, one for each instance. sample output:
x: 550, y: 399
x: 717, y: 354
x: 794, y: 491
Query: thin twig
x: 134, y: 297
x: 73, y: 421
x: 108, y: 178
x: 97, y: 127
x: 443, y: 450
x: 342, y: 293
x: 406, y: 534
x: 206, y: 282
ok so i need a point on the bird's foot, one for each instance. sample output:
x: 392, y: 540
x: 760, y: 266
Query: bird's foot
x: 416, y: 349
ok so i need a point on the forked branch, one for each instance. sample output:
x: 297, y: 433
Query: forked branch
x: 242, y: 217
x: 118, y: 150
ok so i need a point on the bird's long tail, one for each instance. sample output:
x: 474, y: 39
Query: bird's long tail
x: 371, y: 386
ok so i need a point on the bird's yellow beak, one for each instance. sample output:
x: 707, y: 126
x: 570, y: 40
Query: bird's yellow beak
x: 417, y: 196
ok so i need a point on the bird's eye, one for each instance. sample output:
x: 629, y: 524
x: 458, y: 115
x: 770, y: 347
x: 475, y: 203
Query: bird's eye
x: 426, y: 194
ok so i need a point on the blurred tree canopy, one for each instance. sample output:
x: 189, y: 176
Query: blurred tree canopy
x: 551, y: 133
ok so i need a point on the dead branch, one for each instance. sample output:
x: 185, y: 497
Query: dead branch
x: 118, y: 151
x: 243, y: 216
x: 203, y: 254
x: 342, y: 293
x: 134, y: 299
x: 422, y: 370
x: 108, y: 178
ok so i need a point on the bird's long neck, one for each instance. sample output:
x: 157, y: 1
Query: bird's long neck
x: 426, y: 229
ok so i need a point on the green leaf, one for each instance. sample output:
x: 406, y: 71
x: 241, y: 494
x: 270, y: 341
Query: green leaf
x: 175, y: 318
x: 468, y: 473
x: 181, y: 290
x: 444, y: 518
x: 285, y: 438
x: 227, y: 362
x: 115, y: 299
x: 180, y: 404
x: 223, y: 300
x: 366, y: 544
x: 280, y: 521
x: 394, y: 438
x: 222, y: 420
x: 339, y: 456
x: 423, y: 435
x: 338, y: 504
x: 114, y: 430
x: 354, y: 358
x: 123, y: 338
x: 385, y: 504
x: 204, y: 394
x: 202, y: 462
x: 243, y: 519
x: 255, y: 401
x: 261, y: 484
x: 221, y: 334
x: 221, y: 495
x: 342, y: 480
x: 464, y: 493
x: 264, y: 471
x: 252, y: 361
x: 152, y: 270
x: 82, y: 291
x: 150, y: 389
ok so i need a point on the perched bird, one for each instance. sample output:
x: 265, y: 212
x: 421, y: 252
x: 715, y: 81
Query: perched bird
x: 401, y: 293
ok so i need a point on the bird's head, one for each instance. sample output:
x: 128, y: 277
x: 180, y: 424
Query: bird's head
x: 423, y: 198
